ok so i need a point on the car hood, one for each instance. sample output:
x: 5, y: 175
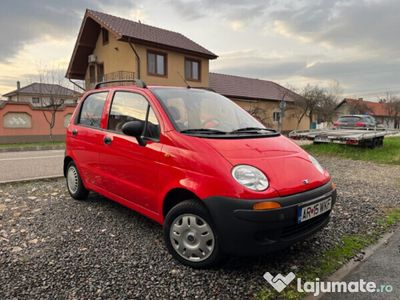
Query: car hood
x: 286, y: 165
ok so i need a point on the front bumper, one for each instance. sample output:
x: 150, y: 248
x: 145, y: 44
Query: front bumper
x: 244, y: 231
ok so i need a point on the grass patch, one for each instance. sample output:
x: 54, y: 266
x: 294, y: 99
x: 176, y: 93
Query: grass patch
x: 29, y: 145
x: 388, y: 154
x: 332, y: 259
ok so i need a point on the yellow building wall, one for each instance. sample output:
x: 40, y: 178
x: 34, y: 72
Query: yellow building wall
x: 118, y: 56
x: 266, y: 110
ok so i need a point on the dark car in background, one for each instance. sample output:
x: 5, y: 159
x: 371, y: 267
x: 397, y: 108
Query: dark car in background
x: 358, y: 121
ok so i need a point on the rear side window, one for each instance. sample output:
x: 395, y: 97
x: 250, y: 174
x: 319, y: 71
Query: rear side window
x: 128, y: 106
x: 92, y: 109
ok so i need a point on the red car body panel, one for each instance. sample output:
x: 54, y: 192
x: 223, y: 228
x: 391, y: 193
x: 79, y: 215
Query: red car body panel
x: 141, y: 177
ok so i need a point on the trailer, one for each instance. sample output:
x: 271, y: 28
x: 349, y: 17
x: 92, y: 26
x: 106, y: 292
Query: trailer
x: 370, y: 138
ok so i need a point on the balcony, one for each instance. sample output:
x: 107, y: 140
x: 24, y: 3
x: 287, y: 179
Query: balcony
x: 119, y: 75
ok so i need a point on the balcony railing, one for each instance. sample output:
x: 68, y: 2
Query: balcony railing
x: 119, y: 75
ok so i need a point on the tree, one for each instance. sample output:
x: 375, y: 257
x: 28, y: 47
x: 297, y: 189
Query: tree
x: 51, y: 83
x: 359, y: 108
x: 393, y: 109
x: 329, y: 101
x: 260, y: 114
x: 310, y: 102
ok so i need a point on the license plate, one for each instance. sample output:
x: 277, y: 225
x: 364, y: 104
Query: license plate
x: 313, y: 210
x: 322, y: 139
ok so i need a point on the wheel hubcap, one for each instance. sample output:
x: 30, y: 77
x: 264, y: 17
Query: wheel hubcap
x: 192, y: 237
x: 72, y: 179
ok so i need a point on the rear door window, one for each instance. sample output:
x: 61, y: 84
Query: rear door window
x: 92, y: 109
x: 128, y: 106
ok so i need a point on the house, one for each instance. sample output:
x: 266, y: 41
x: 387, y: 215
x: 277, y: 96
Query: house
x: 261, y: 98
x: 381, y: 111
x: 42, y: 94
x: 110, y: 48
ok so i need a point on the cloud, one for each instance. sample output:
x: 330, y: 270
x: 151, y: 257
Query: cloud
x: 362, y: 77
x: 369, y: 26
x: 24, y: 22
x: 236, y: 13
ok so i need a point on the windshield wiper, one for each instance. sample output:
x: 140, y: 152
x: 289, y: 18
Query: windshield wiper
x: 252, y: 129
x: 203, y: 131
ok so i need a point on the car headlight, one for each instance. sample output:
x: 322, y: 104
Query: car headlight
x: 250, y: 177
x: 316, y: 164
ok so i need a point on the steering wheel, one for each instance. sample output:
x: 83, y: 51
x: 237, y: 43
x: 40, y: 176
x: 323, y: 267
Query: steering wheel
x: 213, y: 123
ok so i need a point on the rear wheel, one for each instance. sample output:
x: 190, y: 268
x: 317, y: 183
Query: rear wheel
x: 190, y: 236
x: 74, y: 183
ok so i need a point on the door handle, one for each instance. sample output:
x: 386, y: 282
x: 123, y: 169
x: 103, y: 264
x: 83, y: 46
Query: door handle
x: 74, y: 132
x: 107, y: 140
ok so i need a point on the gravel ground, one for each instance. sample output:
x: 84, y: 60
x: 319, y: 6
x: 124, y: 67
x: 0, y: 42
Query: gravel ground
x: 52, y: 247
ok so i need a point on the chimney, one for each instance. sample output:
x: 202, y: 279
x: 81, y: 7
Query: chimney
x: 18, y: 88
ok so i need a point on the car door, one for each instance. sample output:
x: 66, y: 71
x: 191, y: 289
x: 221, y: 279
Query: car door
x: 130, y: 170
x: 86, y: 136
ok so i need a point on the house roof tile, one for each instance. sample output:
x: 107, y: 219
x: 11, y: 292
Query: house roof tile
x: 375, y: 108
x: 44, y: 89
x: 249, y: 88
x: 139, y: 31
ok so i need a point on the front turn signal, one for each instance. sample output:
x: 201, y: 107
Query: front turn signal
x: 266, y: 205
x: 333, y: 186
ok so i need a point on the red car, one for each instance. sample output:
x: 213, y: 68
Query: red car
x: 192, y: 160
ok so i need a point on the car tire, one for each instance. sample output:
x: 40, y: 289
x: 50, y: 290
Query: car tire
x: 190, y: 235
x: 74, y: 183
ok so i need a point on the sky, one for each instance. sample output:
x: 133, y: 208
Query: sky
x: 292, y: 42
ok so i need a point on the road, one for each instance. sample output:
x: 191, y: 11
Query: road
x: 16, y: 166
x: 382, y: 267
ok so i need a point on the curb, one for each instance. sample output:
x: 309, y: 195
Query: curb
x: 31, y: 148
x: 352, y: 264
x: 31, y: 179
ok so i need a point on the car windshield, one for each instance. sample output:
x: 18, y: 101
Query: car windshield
x: 349, y: 119
x: 203, y: 111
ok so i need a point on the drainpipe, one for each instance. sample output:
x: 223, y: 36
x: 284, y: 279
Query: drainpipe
x: 137, y: 58
x: 77, y: 85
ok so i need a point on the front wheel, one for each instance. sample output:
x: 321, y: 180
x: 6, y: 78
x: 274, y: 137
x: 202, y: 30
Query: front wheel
x: 74, y: 183
x: 190, y: 236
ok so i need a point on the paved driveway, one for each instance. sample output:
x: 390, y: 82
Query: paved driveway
x: 31, y: 164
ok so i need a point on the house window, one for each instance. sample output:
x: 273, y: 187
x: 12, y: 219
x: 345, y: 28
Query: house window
x: 104, y: 33
x: 35, y: 100
x: 276, y: 116
x: 156, y: 63
x: 92, y: 74
x: 192, y: 69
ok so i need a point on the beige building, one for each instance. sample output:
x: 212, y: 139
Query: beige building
x: 112, y: 48
x: 42, y: 94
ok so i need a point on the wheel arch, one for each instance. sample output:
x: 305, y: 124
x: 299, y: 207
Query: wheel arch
x: 178, y: 195
x: 67, y: 160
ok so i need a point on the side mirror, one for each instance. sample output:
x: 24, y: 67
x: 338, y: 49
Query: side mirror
x: 134, y: 128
